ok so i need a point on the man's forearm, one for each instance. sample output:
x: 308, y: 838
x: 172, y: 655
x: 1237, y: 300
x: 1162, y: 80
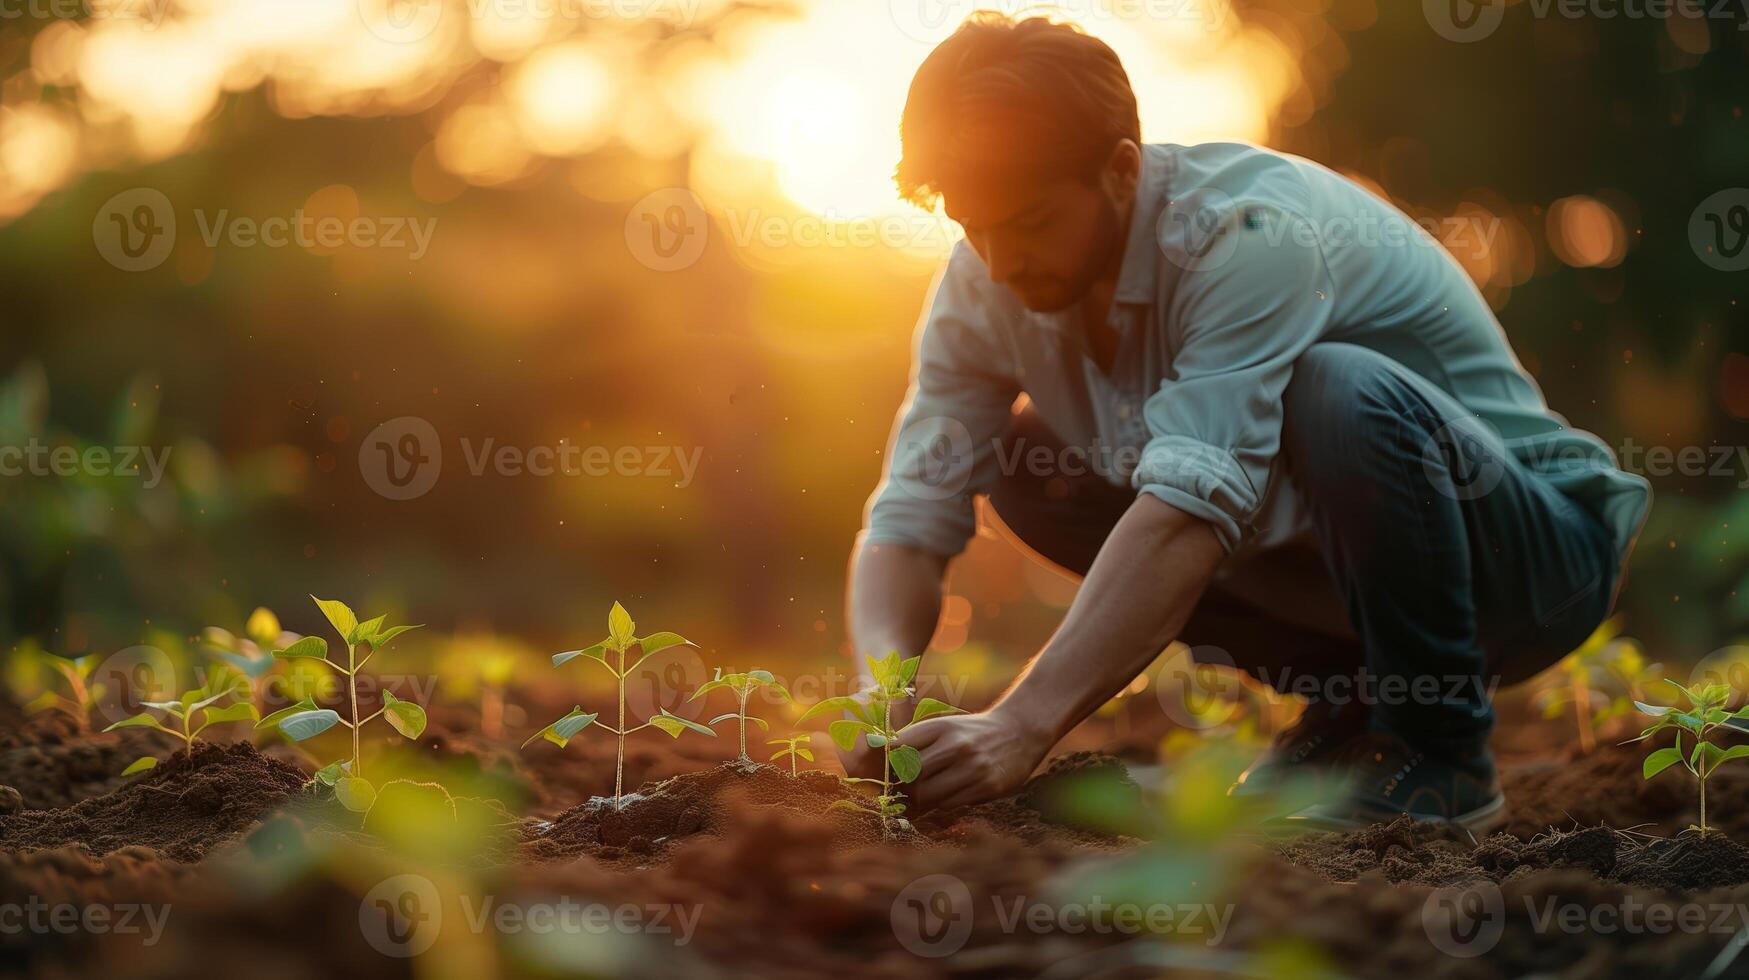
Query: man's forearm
x: 895, y: 598
x: 1135, y: 600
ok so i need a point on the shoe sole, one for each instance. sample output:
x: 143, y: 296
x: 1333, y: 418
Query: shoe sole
x: 1481, y: 820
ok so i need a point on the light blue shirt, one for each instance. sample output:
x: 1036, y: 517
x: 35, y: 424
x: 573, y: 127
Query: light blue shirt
x: 1238, y: 259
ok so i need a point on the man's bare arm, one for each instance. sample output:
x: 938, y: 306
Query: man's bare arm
x: 1136, y: 598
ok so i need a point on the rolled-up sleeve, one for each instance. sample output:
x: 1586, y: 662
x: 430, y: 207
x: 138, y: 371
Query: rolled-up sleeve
x: 1246, y: 305
x: 942, y: 451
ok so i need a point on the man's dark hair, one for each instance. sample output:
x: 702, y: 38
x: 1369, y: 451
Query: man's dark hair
x: 1030, y: 96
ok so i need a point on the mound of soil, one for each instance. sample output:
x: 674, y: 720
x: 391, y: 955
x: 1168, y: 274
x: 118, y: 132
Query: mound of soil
x: 1406, y: 851
x: 183, y: 808
x: 1605, y: 787
x: 52, y: 760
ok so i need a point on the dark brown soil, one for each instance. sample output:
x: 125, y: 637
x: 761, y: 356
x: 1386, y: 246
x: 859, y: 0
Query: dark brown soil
x: 182, y: 808
x: 52, y: 760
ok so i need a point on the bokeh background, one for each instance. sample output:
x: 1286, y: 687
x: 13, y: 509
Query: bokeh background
x: 671, y: 223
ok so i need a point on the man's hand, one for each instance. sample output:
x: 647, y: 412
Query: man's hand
x: 972, y: 758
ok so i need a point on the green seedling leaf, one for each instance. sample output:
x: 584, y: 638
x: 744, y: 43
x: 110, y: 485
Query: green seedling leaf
x: 620, y: 628
x: 141, y: 764
x: 307, y: 704
x: 308, y: 724
x: 596, y: 652
x: 674, y: 725
x: 805, y: 753
x: 930, y: 707
x: 1659, y: 761
x: 42, y: 702
x: 876, y: 740
x: 709, y: 686
x: 657, y: 642
x: 844, y: 732
x: 174, y: 707
x: 309, y: 646
x: 231, y: 712
x: 403, y: 716
x: 908, y: 670
x: 141, y: 720
x: 354, y: 793
x: 365, y: 631
x: 907, y: 762
x: 379, y: 640
x: 831, y: 705
x: 262, y: 627
x: 762, y: 676
x: 333, y: 771
x: 562, y: 731
x: 340, y: 616
x: 848, y: 805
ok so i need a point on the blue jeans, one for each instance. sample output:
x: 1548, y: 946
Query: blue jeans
x: 1458, y: 568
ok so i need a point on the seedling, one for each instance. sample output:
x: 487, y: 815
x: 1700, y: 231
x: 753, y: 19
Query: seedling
x: 1602, y: 658
x: 306, y: 720
x: 742, y: 685
x: 795, y: 746
x: 249, y: 653
x: 621, y: 637
x: 82, y: 694
x: 1706, y: 714
x: 181, y: 714
x: 873, y: 721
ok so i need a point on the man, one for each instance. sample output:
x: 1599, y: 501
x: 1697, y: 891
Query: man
x: 1329, y: 463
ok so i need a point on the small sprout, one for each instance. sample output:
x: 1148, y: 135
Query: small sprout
x: 306, y: 720
x: 81, y: 696
x: 873, y: 721
x: 251, y: 652
x: 1705, y: 715
x: 742, y: 685
x: 794, y: 746
x: 1603, y: 660
x: 181, y: 713
x: 621, y: 637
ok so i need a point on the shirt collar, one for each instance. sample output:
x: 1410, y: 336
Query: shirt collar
x: 1141, y: 254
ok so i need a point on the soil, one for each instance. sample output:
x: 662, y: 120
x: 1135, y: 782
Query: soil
x: 785, y: 884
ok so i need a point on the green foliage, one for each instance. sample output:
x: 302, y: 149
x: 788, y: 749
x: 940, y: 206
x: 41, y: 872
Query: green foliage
x: 251, y: 652
x: 1704, y: 716
x: 1603, y: 678
x: 742, y: 686
x: 81, y: 695
x: 873, y: 722
x: 306, y: 719
x: 621, y: 638
x: 795, y: 747
x: 181, y: 714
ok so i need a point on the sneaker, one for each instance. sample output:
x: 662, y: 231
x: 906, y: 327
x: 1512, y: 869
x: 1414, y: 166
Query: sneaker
x: 1307, y: 746
x: 1388, y: 778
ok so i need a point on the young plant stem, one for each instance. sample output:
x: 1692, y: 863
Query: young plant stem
x: 886, y: 762
x: 352, y: 694
x: 619, y: 765
x: 742, y: 716
x: 792, y: 762
x: 1703, y: 774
